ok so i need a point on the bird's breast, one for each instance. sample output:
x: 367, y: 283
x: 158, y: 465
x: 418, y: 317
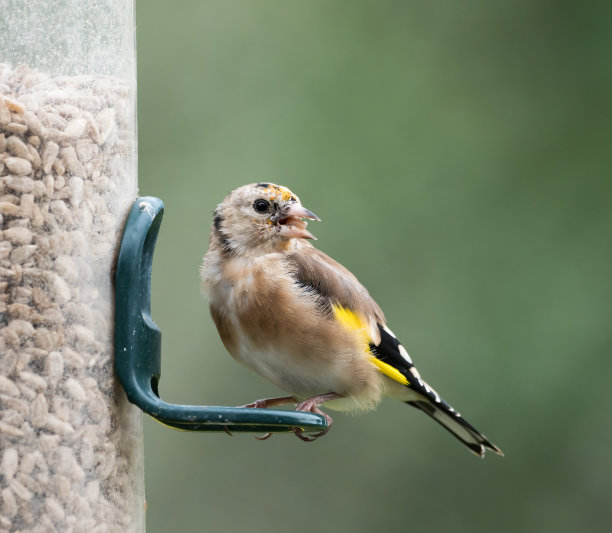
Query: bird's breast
x: 272, y: 326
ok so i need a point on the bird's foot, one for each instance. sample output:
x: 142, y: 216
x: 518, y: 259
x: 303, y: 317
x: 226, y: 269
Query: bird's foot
x: 312, y: 406
x: 269, y: 402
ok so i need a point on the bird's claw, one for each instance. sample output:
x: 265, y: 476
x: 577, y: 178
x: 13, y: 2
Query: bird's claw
x: 312, y: 406
x: 309, y: 406
x: 299, y: 433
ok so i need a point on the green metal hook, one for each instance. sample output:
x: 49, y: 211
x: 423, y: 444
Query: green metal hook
x: 138, y: 343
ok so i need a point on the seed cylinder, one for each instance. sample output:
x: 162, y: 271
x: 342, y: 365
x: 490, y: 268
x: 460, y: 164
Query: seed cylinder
x: 70, y: 444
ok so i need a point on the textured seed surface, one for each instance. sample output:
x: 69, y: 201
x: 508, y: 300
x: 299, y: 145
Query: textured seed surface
x: 18, y: 165
x: 68, y: 456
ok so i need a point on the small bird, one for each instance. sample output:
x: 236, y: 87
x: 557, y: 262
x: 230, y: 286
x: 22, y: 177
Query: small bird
x: 303, y: 321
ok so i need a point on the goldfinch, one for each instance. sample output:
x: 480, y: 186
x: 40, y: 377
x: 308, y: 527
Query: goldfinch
x: 303, y: 321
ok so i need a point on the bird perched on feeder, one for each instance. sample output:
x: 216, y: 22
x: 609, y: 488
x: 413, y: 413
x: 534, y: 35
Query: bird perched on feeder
x: 303, y: 321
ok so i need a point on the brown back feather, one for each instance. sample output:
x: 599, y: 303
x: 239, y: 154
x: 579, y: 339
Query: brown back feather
x: 318, y: 273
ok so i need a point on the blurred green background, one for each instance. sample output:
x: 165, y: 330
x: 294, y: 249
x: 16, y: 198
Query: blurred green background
x: 459, y: 156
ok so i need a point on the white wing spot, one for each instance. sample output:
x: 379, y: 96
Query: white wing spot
x: 404, y: 353
x: 432, y: 391
x: 415, y: 372
x: 389, y: 332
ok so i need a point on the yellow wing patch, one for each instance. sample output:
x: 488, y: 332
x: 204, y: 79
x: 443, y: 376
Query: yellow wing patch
x: 389, y: 371
x: 355, y: 322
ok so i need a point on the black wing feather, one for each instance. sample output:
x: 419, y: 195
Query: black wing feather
x: 388, y: 351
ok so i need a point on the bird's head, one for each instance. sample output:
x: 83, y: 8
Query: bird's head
x: 261, y: 215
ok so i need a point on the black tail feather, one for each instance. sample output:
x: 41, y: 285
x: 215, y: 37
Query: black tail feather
x: 452, y: 421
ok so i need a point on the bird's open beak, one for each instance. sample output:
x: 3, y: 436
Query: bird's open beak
x: 291, y: 225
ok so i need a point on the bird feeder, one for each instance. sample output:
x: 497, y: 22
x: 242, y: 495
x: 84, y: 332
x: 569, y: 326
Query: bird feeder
x: 71, y: 444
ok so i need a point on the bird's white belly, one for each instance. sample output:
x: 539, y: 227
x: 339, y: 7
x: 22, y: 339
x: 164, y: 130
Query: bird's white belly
x: 303, y: 381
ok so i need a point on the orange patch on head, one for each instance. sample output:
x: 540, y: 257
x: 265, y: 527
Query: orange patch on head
x: 286, y: 194
x: 280, y: 194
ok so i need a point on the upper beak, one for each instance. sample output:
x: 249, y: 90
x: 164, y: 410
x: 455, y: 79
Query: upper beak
x: 296, y: 210
x: 291, y: 225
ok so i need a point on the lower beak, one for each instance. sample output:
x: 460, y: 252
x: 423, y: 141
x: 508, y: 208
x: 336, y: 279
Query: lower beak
x: 291, y: 225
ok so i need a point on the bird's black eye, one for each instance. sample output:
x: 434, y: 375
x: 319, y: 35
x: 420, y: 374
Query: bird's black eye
x: 260, y: 205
